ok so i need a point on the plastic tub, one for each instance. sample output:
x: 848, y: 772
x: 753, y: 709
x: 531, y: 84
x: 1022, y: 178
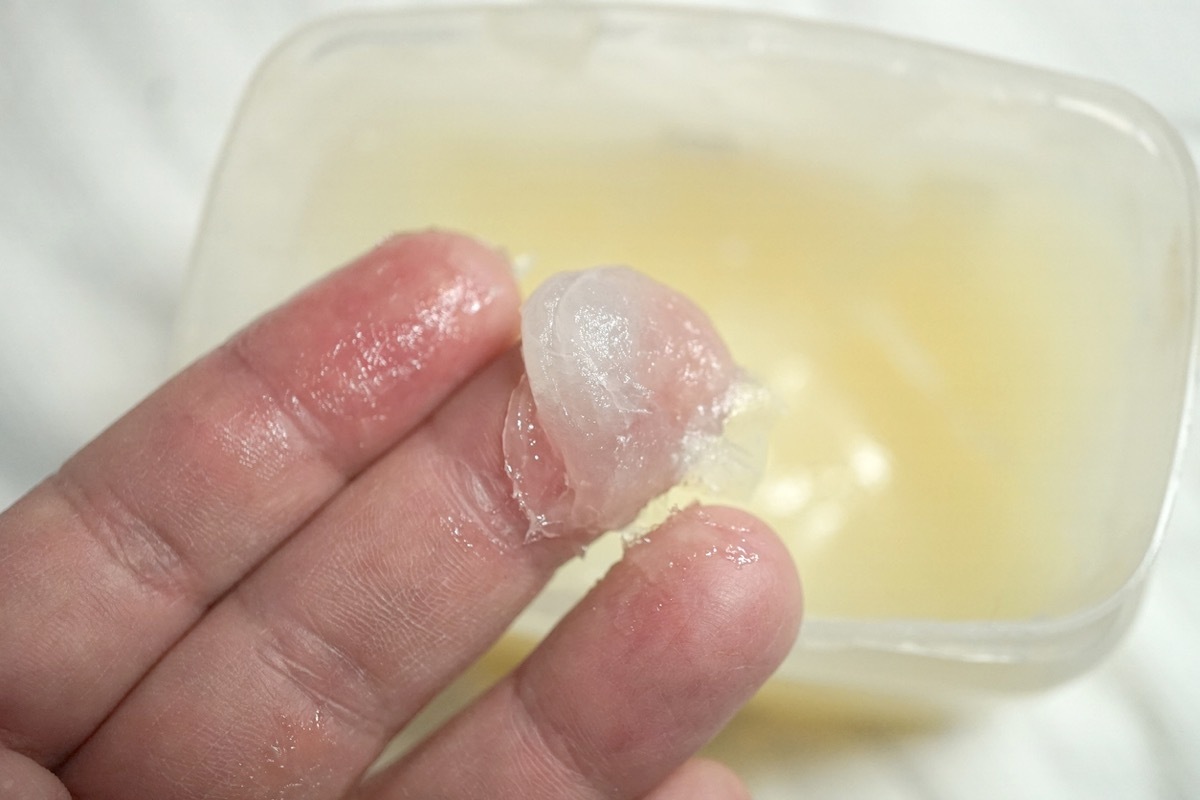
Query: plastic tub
x: 969, y: 285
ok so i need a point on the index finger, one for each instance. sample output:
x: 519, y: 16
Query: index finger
x: 109, y: 561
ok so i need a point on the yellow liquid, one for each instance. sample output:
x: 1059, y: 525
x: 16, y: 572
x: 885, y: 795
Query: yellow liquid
x: 940, y: 349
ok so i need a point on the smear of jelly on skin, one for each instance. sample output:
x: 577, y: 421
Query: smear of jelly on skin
x: 626, y: 383
x: 377, y: 356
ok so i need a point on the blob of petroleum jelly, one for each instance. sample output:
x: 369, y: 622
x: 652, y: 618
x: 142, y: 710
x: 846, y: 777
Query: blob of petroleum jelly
x: 627, y: 385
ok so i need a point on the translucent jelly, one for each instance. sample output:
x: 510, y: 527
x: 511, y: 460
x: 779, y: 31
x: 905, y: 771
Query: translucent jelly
x: 626, y: 383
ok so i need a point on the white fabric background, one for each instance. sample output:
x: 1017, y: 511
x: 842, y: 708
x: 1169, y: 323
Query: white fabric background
x: 111, y: 117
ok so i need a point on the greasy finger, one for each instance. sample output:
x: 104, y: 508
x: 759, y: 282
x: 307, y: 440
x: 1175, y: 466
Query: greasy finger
x: 632, y: 682
x: 295, y: 681
x: 107, y: 563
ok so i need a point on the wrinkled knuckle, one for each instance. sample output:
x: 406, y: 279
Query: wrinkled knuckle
x: 128, y: 537
x: 288, y: 400
x: 322, y: 672
x: 480, y: 507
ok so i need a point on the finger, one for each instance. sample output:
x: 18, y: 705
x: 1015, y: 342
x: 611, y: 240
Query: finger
x: 649, y: 666
x: 24, y: 779
x: 296, y: 681
x: 701, y: 779
x: 107, y: 563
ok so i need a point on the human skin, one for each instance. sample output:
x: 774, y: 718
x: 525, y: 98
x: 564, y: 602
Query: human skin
x: 247, y: 585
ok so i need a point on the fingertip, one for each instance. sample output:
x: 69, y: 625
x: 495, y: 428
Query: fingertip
x: 486, y: 265
x: 22, y: 778
x: 701, y: 779
x: 748, y: 574
x: 685, y: 629
x: 474, y: 278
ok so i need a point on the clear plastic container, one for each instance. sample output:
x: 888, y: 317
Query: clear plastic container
x: 970, y: 285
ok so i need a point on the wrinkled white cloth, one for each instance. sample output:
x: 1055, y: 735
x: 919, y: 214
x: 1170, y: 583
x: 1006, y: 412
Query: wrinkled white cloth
x: 111, y: 119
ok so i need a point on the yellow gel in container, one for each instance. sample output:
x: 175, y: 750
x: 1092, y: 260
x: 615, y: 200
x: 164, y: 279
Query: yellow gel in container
x: 968, y: 286
x: 941, y: 356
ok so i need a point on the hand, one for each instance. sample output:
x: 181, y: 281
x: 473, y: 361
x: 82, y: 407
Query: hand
x: 253, y: 580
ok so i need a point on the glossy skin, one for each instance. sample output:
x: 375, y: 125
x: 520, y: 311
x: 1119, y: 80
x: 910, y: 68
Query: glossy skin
x: 249, y: 583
